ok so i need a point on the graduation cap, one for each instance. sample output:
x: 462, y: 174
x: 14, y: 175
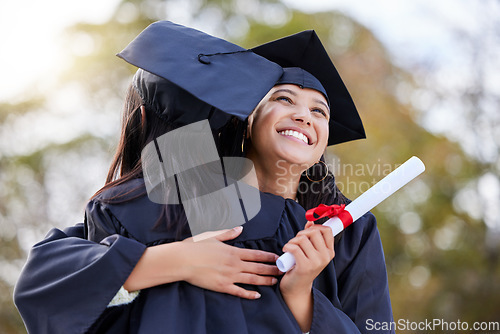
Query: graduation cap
x: 232, y: 79
x: 305, y: 51
x: 217, y: 72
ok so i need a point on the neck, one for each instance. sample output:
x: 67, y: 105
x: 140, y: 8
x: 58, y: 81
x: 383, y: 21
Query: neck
x: 280, y: 179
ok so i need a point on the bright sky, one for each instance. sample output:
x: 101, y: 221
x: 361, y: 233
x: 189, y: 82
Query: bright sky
x: 30, y: 31
x: 416, y: 29
x: 30, y: 37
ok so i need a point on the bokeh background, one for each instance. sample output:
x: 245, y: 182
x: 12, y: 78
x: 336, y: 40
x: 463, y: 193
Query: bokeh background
x: 425, y: 76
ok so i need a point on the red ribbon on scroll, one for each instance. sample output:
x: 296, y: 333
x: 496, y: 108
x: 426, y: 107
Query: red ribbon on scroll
x: 330, y: 211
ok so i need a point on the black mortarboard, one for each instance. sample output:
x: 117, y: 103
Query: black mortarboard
x: 222, y: 74
x: 232, y: 79
x: 304, y: 50
x: 173, y: 104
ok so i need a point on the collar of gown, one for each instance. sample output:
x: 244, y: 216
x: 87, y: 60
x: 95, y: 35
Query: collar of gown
x: 139, y: 216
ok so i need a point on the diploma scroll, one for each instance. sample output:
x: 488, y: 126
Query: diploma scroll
x: 367, y: 201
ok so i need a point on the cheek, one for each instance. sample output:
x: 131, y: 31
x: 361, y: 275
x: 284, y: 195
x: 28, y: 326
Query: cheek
x: 322, y: 132
x: 255, y: 125
x: 263, y: 123
x: 257, y: 134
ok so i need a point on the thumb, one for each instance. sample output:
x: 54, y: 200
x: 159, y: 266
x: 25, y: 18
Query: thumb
x: 229, y: 234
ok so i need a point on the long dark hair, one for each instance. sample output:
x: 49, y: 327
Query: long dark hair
x: 136, y: 132
x: 138, y: 129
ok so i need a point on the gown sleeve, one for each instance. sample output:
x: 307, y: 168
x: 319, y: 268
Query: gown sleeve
x: 327, y: 318
x: 58, y: 290
x: 352, y: 292
x: 361, y: 272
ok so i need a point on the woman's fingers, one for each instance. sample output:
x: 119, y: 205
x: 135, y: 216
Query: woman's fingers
x: 303, y: 241
x: 317, y: 239
x: 322, y: 239
x: 328, y: 237
x: 320, y: 235
x: 296, y: 251
x: 246, y: 278
x: 221, y: 235
x: 230, y: 234
x: 242, y: 293
x: 260, y: 269
x: 314, y: 244
x: 254, y: 255
x: 214, y: 265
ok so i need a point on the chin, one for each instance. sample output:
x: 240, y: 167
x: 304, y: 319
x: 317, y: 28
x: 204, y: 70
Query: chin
x: 295, y: 158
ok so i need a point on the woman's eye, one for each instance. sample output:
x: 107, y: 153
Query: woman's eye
x: 320, y: 111
x: 284, y: 98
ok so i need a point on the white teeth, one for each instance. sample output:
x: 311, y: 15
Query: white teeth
x: 295, y: 134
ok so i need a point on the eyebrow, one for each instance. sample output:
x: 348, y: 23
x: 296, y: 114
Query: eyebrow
x: 323, y: 103
x: 285, y: 90
x: 295, y: 94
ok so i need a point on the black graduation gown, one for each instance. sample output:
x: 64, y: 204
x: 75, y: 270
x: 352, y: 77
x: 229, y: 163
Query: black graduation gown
x: 73, y: 295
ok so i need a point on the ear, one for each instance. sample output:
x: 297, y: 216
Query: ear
x: 254, y: 114
x: 248, y: 129
x: 250, y: 120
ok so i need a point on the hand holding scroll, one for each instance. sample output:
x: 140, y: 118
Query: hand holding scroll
x: 364, y: 203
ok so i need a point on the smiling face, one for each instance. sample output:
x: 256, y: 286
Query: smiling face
x: 290, y: 124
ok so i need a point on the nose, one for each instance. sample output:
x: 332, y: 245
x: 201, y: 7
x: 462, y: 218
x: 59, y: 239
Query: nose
x: 302, y: 115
